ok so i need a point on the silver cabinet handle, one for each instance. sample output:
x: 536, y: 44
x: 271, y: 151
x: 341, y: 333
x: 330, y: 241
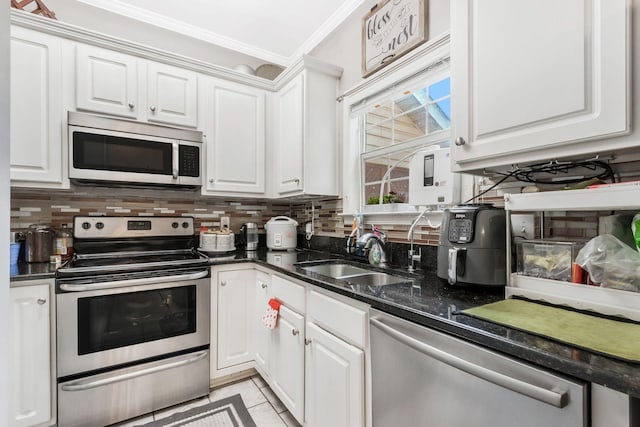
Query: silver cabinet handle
x: 211, y: 180
x: 307, y: 341
x: 79, y: 287
x: 295, y: 332
x: 153, y: 109
x: 460, y: 141
x: 297, y: 181
x: 132, y: 105
x: 264, y: 286
x: 550, y: 397
x: 81, y: 385
x: 41, y: 301
x: 223, y: 283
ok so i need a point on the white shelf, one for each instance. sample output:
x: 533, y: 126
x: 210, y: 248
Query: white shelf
x: 607, y: 301
x: 614, y: 197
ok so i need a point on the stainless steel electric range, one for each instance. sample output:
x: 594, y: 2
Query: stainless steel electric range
x: 132, y: 319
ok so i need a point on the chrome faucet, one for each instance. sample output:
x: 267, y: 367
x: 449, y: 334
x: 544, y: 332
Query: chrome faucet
x: 371, y: 246
x: 411, y: 255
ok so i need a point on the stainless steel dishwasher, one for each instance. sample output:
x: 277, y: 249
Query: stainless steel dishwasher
x: 421, y: 377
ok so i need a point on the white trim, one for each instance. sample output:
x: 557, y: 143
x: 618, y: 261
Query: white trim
x: 83, y: 35
x: 337, y: 18
x: 149, y: 17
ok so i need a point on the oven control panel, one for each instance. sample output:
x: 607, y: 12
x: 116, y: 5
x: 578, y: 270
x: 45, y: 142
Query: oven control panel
x: 91, y: 227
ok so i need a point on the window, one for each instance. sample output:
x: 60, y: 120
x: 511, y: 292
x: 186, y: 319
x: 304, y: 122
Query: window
x: 395, y: 125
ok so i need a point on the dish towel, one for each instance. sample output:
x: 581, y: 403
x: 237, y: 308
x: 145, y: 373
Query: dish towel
x: 271, y: 316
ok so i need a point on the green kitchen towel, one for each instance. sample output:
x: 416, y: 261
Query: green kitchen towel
x: 606, y: 336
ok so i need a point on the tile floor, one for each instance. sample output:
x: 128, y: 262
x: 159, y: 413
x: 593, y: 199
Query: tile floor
x: 263, y: 405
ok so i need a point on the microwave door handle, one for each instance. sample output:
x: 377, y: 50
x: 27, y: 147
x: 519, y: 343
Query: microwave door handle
x: 176, y: 160
x: 80, y: 287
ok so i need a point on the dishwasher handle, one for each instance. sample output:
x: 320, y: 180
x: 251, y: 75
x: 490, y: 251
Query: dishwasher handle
x: 558, y: 399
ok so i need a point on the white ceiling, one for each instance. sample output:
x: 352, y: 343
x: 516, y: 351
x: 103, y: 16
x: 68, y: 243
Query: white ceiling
x: 277, y: 31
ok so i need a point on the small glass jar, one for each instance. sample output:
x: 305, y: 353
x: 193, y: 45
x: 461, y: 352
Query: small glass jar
x: 63, y: 243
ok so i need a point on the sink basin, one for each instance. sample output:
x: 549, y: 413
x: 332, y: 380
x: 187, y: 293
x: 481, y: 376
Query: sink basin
x: 336, y: 270
x: 375, y: 279
x: 355, y: 275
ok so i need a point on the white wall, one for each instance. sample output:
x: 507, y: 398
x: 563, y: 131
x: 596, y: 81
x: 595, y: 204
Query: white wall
x: 343, y: 47
x: 4, y: 213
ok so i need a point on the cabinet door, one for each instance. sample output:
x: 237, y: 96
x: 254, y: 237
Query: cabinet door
x: 290, y: 139
x: 287, y: 361
x: 531, y: 79
x: 334, y: 379
x: 29, y: 356
x: 262, y: 335
x: 235, y: 142
x: 36, y: 109
x: 235, y: 317
x: 106, y: 82
x: 172, y: 95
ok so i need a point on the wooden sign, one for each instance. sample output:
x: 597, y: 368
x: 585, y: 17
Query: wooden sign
x: 391, y: 29
x: 39, y: 7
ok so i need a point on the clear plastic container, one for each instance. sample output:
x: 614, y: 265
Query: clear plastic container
x: 63, y: 243
x: 547, y: 259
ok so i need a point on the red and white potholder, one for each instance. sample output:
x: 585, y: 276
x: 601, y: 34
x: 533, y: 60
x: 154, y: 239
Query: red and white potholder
x: 271, y: 316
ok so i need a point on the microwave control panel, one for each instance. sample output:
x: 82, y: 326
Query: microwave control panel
x: 189, y: 160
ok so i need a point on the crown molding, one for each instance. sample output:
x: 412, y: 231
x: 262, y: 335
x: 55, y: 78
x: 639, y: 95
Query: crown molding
x: 180, y: 27
x: 155, y: 19
x: 83, y: 35
x: 337, y: 18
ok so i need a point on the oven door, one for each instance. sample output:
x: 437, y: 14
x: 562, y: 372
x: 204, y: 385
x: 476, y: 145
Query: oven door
x: 106, y: 324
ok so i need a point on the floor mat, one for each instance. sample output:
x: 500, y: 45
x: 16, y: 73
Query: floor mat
x: 610, y: 337
x: 228, y: 412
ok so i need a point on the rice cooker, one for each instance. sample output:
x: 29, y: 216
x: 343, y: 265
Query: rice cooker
x: 472, y: 247
x: 281, y: 233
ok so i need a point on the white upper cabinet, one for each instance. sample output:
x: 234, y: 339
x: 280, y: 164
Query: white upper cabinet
x: 235, y: 117
x: 172, y: 95
x: 107, y: 82
x: 535, y: 80
x: 305, y: 137
x: 290, y: 136
x: 115, y: 83
x: 36, y: 110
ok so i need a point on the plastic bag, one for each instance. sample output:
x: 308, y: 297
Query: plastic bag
x: 611, y: 263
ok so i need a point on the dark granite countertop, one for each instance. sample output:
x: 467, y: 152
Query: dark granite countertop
x: 426, y: 300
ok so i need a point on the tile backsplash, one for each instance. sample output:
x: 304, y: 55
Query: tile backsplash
x: 59, y: 207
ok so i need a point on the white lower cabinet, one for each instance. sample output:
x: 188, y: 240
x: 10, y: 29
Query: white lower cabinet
x: 30, y: 356
x: 334, y: 378
x: 287, y: 361
x: 262, y: 335
x: 232, y: 333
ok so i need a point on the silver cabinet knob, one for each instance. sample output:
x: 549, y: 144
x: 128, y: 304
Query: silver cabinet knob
x: 460, y: 141
x: 223, y: 283
x: 211, y: 180
x: 295, y: 332
x: 153, y: 109
x: 264, y: 286
x: 41, y: 301
x: 307, y: 341
x: 132, y: 105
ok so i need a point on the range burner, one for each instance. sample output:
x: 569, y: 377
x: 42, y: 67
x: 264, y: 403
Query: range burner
x: 107, y: 245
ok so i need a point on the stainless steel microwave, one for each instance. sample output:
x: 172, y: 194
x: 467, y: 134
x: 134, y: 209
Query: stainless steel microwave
x: 102, y: 149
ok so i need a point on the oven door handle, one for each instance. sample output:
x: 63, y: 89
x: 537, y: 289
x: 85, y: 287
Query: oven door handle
x: 80, y: 287
x: 82, y: 385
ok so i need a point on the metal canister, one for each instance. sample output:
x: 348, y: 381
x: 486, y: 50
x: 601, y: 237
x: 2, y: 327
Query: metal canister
x: 38, y: 243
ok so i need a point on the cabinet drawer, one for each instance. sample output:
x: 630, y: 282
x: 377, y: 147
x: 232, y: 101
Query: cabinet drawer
x: 342, y: 320
x: 288, y: 293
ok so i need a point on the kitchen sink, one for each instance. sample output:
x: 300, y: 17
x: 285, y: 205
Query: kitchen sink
x: 336, y: 271
x: 354, y: 275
